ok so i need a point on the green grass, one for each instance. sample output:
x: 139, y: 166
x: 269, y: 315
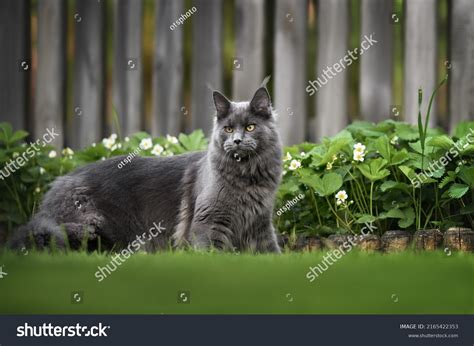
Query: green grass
x: 359, y: 283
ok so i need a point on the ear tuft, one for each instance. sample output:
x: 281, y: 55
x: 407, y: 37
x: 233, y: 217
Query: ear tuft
x: 261, y: 103
x: 222, y: 104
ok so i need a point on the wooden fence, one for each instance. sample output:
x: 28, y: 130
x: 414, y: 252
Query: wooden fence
x: 268, y: 38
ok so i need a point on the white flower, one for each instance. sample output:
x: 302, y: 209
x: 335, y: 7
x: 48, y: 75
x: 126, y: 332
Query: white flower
x: 119, y: 145
x: 109, y: 142
x: 157, y: 150
x: 287, y: 157
x: 302, y: 154
x: 294, y: 165
x: 42, y: 170
x: 359, y: 147
x: 52, y: 154
x: 127, y: 139
x: 338, y: 202
x: 146, y: 144
x: 329, y: 166
x: 283, y: 172
x: 341, y: 196
x: 359, y: 152
x: 172, y: 139
x: 359, y: 156
x: 37, y: 190
x: 114, y: 147
x: 394, y: 140
x: 93, y: 145
x: 68, y: 152
x: 102, y: 158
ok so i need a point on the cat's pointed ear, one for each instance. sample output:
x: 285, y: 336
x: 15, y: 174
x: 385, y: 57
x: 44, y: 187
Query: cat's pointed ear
x: 261, y: 103
x: 222, y: 104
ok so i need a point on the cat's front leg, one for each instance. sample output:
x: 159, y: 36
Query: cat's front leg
x: 205, y: 236
x: 267, y: 240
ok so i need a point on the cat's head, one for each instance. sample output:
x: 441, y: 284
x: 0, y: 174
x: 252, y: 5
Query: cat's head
x: 243, y: 130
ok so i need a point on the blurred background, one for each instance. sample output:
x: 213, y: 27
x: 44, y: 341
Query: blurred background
x: 92, y: 67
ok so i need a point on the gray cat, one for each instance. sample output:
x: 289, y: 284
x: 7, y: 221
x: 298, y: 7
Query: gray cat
x: 222, y: 198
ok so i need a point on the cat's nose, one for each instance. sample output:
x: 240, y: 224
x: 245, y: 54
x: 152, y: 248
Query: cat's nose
x: 237, y: 141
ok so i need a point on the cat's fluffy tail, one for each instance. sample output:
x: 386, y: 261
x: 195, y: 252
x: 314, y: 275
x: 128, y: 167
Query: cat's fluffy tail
x: 40, y: 233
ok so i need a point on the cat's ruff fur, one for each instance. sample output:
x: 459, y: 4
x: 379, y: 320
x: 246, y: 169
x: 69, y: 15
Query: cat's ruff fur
x: 222, y: 198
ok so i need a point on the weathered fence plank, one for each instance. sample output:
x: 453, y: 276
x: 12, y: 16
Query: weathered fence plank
x: 168, y: 69
x: 128, y: 64
x: 376, y: 63
x: 15, y: 61
x: 51, y: 77
x: 249, y: 28
x: 206, y: 61
x: 461, y: 73
x: 89, y: 56
x: 331, y: 100
x: 290, y: 69
x: 420, y: 57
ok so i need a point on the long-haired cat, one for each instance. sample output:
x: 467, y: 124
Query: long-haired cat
x: 222, y: 198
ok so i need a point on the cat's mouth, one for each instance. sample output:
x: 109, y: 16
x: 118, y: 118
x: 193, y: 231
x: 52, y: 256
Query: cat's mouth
x: 239, y: 154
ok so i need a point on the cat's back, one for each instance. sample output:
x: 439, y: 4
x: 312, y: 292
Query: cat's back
x: 147, y: 169
x: 139, y: 177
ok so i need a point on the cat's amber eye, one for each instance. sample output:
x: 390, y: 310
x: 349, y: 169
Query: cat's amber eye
x: 228, y: 129
x: 250, y: 128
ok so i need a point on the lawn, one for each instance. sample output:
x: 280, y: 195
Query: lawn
x: 359, y: 283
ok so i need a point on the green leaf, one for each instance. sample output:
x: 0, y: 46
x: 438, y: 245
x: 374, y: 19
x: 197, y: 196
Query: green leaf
x: 375, y: 169
x: 409, y: 172
x: 417, y: 162
x: 336, y: 146
x: 391, y: 185
x: 458, y: 190
x: 408, y: 218
x: 443, y: 142
x: 438, y: 173
x: 393, y: 214
x: 469, y: 150
x: 407, y: 132
x: 6, y: 132
x: 463, y: 128
x: 141, y: 135
x: 366, y: 218
x: 17, y: 136
x: 416, y: 146
x: 466, y: 174
x: 312, y: 181
x: 194, y: 142
x: 382, y: 145
x: 449, y: 178
x: 326, y: 186
x: 399, y: 157
x: 288, y: 186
